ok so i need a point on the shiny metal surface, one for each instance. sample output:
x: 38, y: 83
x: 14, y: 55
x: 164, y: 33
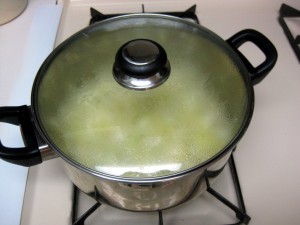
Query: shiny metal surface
x: 147, y: 196
x: 141, y: 64
x: 140, y: 52
x: 141, y: 84
x: 47, y: 153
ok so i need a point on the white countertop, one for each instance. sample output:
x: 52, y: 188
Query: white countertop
x: 24, y: 44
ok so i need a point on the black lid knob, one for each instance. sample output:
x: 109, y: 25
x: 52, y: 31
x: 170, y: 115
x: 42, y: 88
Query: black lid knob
x: 141, y: 64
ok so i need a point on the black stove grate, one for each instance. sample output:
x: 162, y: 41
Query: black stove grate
x: 189, y: 14
x: 240, y: 210
x: 289, y: 12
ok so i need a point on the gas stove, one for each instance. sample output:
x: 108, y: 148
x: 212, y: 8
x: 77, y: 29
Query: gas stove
x: 266, y: 158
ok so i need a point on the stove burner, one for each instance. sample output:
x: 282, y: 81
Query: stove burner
x: 240, y: 211
x: 288, y: 12
x: 189, y: 14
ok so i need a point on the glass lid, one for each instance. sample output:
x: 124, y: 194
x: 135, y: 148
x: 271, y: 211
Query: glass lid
x: 196, y: 106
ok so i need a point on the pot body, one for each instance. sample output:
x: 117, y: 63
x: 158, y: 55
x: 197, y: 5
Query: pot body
x: 147, y: 196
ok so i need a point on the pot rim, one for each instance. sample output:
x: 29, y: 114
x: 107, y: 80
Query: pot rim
x: 243, y: 127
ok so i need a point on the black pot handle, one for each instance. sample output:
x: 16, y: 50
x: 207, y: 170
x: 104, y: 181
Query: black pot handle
x: 24, y: 156
x: 257, y: 74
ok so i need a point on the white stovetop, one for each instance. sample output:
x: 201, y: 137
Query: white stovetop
x: 24, y: 44
x: 267, y: 157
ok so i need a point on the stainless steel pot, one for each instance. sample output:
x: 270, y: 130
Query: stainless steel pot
x: 140, y: 63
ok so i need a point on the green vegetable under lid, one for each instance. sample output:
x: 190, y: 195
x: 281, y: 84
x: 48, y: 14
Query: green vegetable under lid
x: 93, y: 120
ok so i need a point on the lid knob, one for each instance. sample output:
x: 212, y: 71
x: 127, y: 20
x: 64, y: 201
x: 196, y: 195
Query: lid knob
x: 141, y: 64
